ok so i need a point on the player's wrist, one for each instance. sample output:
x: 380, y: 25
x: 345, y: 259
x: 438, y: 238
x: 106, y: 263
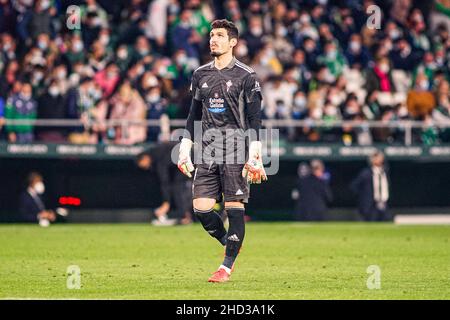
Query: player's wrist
x: 255, y: 150
x: 186, y: 146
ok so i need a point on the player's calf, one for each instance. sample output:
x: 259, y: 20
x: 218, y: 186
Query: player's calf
x: 212, y: 223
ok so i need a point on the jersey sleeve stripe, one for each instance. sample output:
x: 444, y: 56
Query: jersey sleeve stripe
x: 243, y: 66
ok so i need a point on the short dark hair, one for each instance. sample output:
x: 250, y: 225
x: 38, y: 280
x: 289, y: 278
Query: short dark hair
x: 231, y: 28
x: 33, y: 177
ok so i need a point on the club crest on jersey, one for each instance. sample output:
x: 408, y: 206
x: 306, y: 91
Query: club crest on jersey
x: 216, y: 104
x: 229, y: 84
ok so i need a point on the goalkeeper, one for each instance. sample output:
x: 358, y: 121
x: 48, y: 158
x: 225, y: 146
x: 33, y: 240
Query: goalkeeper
x: 226, y: 97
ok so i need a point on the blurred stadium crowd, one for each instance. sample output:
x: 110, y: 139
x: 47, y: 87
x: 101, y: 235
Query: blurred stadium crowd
x: 317, y: 60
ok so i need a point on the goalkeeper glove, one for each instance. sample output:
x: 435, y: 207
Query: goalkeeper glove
x: 184, y: 158
x: 254, y: 170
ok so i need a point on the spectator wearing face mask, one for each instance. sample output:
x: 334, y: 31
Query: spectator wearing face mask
x: 278, y: 98
x: 302, y: 69
x: 403, y: 57
x: 332, y: 59
x: 428, y: 67
x: 108, y: 79
x: 141, y: 49
x: 128, y: 105
x: 417, y: 29
x: 51, y: 105
x: 379, y: 78
x: 156, y: 107
x: 254, y: 34
x: 123, y: 58
x: 31, y: 204
x: 75, y: 53
x: 21, y: 107
x: 311, y: 52
x: 356, y: 54
x: 7, y: 16
x: 41, y: 18
x: 185, y: 37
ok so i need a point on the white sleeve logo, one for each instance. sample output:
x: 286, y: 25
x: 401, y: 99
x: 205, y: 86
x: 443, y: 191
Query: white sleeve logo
x: 257, y: 86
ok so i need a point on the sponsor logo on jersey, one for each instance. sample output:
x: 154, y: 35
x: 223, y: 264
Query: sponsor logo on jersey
x: 216, y: 104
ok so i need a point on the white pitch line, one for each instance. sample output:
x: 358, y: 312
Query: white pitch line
x: 428, y: 219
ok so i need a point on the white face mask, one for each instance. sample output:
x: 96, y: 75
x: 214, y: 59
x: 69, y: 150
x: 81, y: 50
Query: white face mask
x: 182, y: 59
x: 331, y: 111
x: 300, y: 102
x: 305, y: 19
x: 384, y: 68
x: 42, y: 45
x: 122, y: 54
x: 257, y: 32
x: 25, y: 96
x: 335, y: 100
x: 331, y: 54
x: 394, y: 34
x: 152, y: 82
x: 53, y: 91
x: 39, y: 187
x: 423, y: 85
x: 241, y: 51
x: 78, y: 46
x: 282, y: 32
x: 316, y: 113
x: 104, y: 39
x: 61, y: 74
x: 355, y: 46
x: 152, y: 98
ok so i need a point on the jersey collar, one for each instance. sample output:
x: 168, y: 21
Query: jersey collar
x: 229, y: 66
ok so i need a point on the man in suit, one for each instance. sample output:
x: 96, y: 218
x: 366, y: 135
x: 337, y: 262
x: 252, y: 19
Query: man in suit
x: 175, y: 187
x: 31, y: 206
x: 314, y: 193
x: 372, y: 188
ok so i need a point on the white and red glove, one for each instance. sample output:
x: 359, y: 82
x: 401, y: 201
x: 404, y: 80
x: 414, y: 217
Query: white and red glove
x: 184, y: 158
x: 254, y: 170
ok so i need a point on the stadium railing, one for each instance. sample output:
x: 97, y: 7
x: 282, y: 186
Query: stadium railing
x: 407, y: 126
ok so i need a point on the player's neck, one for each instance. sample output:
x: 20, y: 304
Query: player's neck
x: 222, y: 61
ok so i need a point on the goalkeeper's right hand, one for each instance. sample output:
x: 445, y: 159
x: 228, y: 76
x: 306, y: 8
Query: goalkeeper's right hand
x: 184, y: 158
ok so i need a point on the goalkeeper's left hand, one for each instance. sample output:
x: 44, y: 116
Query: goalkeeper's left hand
x: 254, y: 170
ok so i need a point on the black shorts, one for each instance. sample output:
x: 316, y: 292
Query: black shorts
x: 213, y: 181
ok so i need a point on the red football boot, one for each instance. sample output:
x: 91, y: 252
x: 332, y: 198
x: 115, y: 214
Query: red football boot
x: 219, y: 276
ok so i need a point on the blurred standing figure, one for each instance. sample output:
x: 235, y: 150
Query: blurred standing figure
x: 21, y: 107
x: 175, y: 187
x: 372, y: 188
x: 128, y: 105
x: 31, y: 205
x: 314, y: 193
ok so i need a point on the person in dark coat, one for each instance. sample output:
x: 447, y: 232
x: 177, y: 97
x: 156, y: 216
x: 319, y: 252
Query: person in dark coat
x: 31, y: 205
x: 372, y: 188
x: 175, y: 187
x: 314, y: 193
x: 51, y: 105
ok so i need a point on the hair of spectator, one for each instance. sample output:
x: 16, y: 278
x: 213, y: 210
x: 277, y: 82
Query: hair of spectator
x: 231, y: 28
x: 34, y: 177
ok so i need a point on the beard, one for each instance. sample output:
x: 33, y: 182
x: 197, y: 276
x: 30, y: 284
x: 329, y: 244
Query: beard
x: 215, y: 53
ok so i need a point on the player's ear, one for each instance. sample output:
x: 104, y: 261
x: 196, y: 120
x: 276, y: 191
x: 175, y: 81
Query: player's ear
x: 233, y: 42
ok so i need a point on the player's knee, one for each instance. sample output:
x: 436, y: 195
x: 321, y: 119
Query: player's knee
x: 234, y: 204
x: 203, y: 204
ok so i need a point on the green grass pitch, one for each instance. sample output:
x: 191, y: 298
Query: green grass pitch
x: 278, y: 261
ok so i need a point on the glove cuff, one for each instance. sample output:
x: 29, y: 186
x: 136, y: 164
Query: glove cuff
x: 185, y: 146
x: 255, y: 150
